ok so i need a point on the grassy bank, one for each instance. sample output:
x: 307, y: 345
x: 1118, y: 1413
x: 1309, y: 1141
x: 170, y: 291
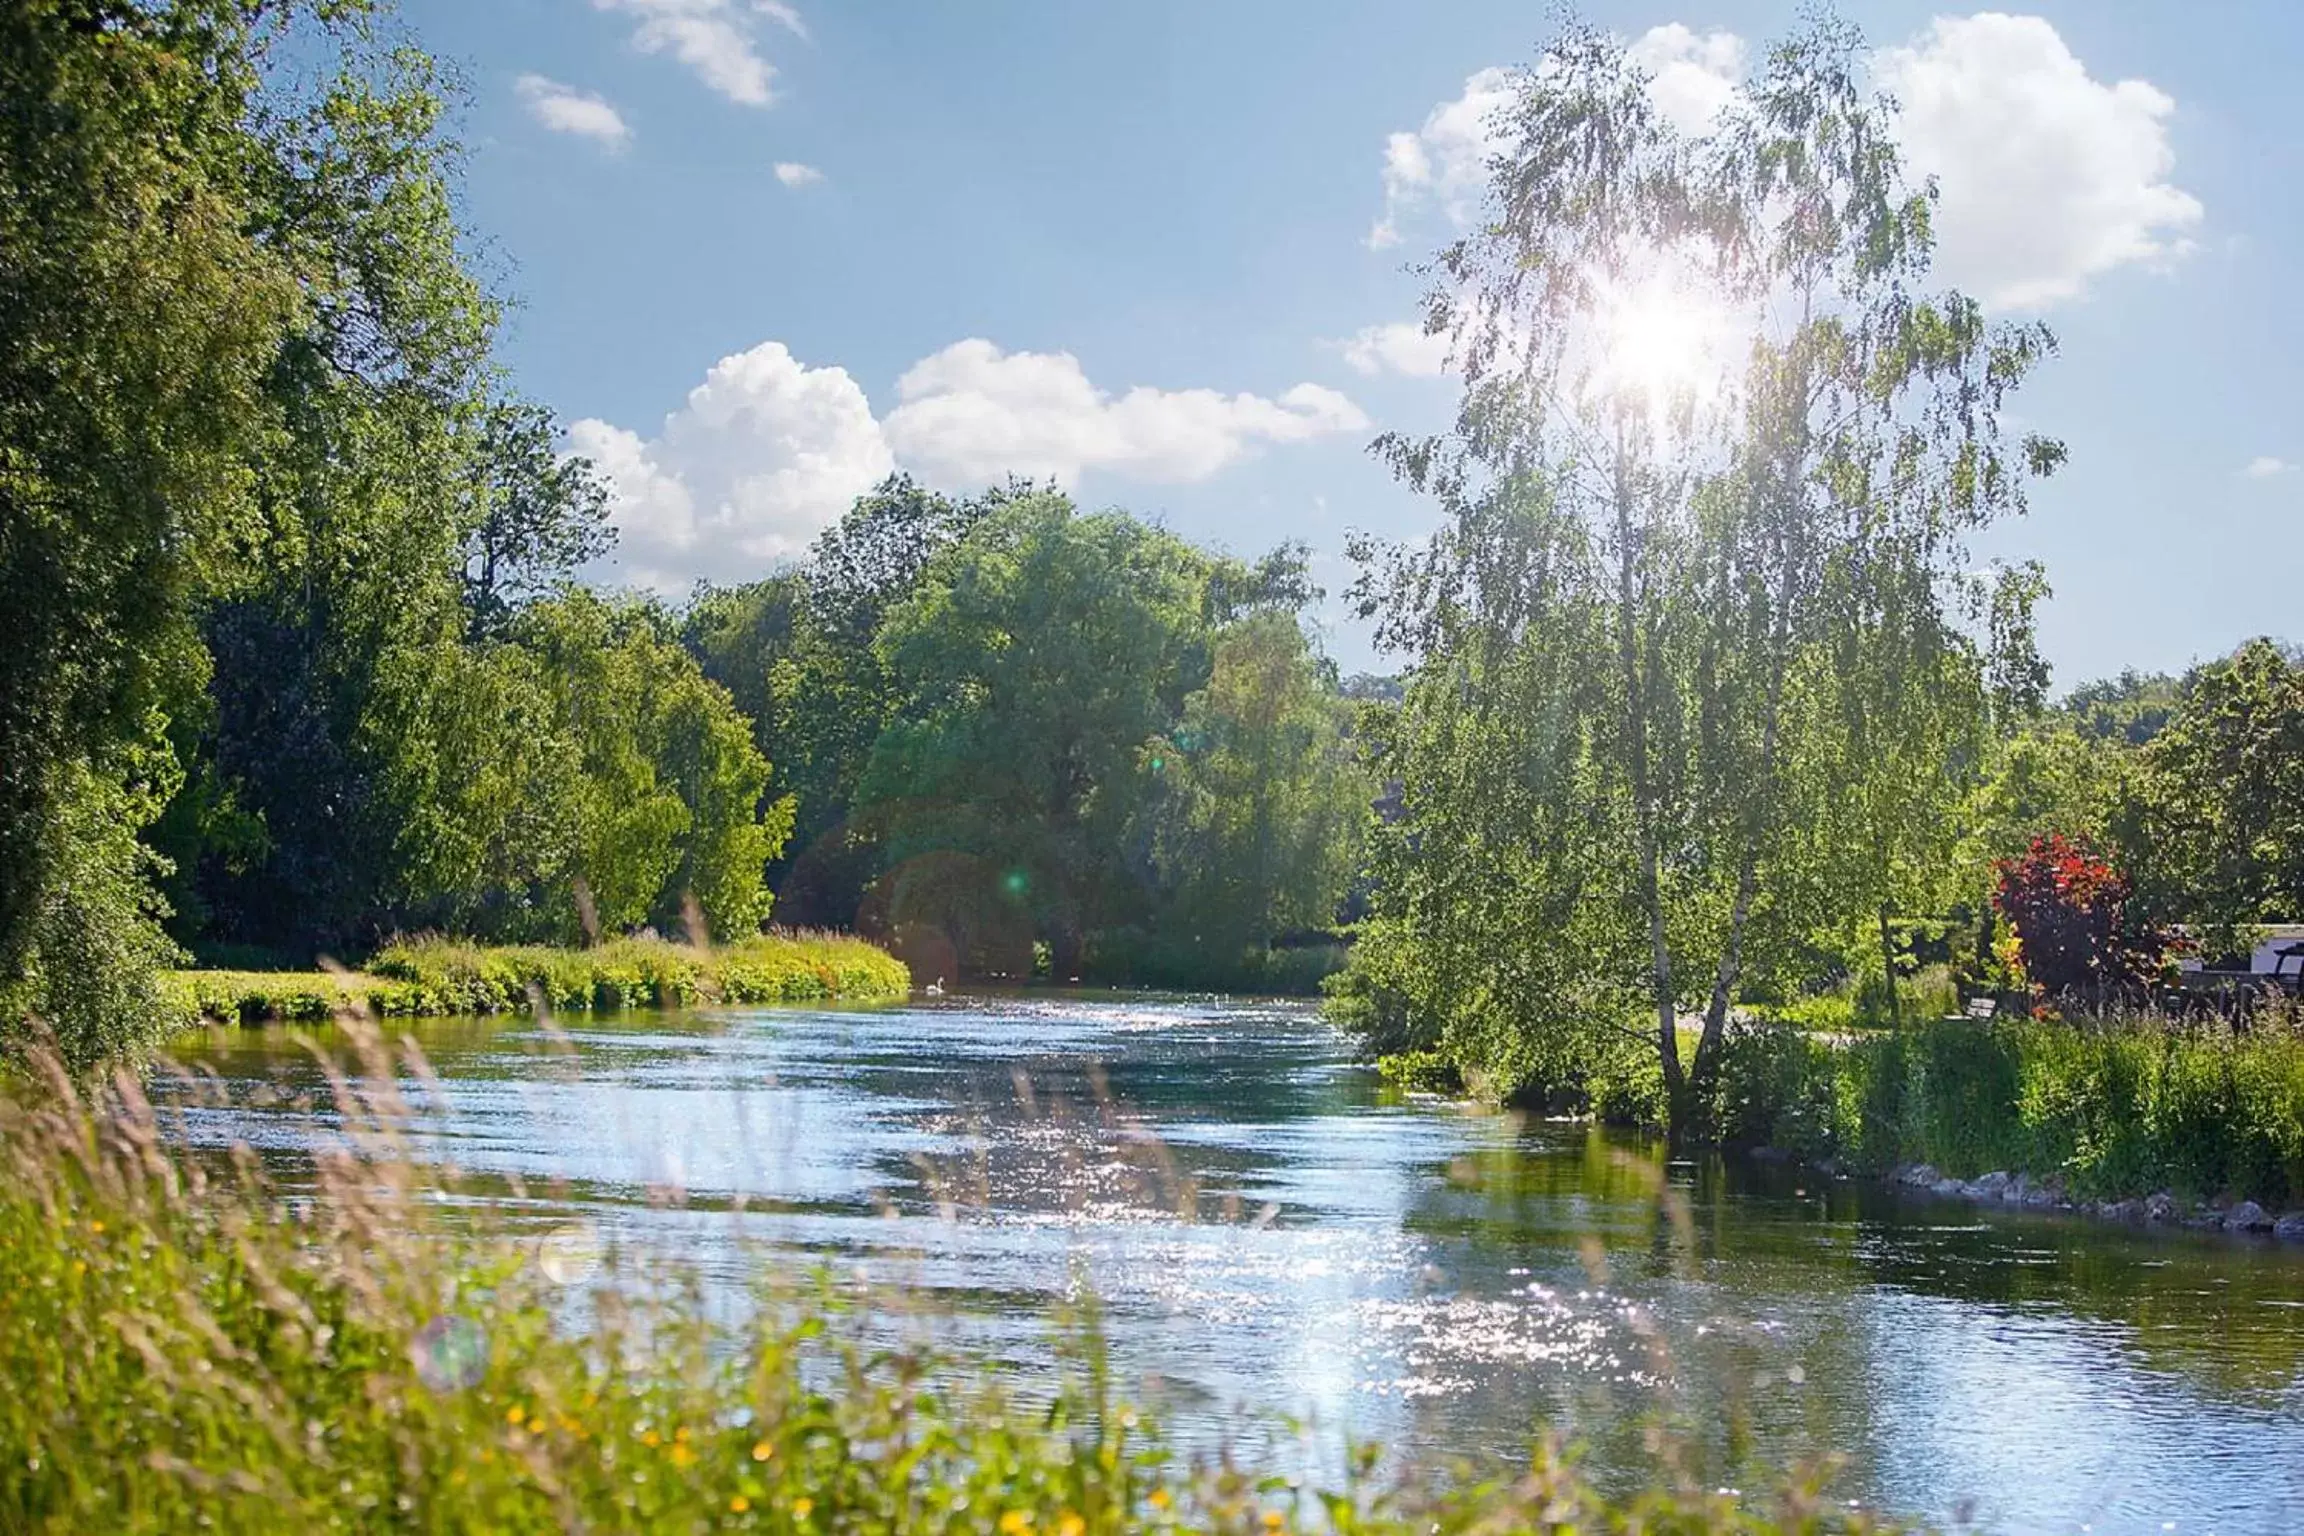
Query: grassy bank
x: 184, y: 1348
x: 2116, y: 1109
x: 443, y: 976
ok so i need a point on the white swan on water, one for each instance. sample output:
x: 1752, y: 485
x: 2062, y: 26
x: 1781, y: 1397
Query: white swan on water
x: 935, y: 988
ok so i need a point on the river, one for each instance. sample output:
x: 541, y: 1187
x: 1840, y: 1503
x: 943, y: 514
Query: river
x: 1273, y: 1231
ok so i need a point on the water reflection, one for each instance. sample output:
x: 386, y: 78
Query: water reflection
x: 1269, y: 1227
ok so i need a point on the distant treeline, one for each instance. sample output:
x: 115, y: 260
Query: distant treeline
x: 294, y: 657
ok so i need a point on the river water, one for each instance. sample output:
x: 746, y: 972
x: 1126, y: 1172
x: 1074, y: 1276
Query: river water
x: 1274, y: 1232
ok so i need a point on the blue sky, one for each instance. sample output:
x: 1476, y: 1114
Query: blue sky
x: 1131, y: 246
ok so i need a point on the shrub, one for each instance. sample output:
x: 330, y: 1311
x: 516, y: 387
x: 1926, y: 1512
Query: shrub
x: 450, y: 976
x: 2119, y: 1107
x: 2074, y: 933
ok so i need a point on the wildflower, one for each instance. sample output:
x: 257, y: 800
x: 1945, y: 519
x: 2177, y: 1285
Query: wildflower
x: 1015, y: 1523
x: 682, y: 1456
x: 1071, y: 1525
x: 803, y: 1508
x: 762, y: 1450
x: 514, y: 1414
x: 651, y: 1438
x: 739, y: 1504
x: 1159, y: 1499
x: 1273, y: 1520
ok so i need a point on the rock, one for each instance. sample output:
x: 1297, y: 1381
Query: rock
x: 1993, y: 1186
x: 2121, y: 1210
x: 1920, y: 1175
x: 2049, y: 1191
x: 2247, y: 1216
x: 2290, y: 1226
x: 1950, y: 1189
x: 2159, y: 1206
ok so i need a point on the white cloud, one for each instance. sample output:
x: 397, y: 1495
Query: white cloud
x: 1446, y: 160
x: 762, y: 456
x: 767, y: 452
x: 565, y: 109
x: 1692, y: 75
x: 2049, y: 177
x: 1400, y: 346
x: 972, y: 413
x: 784, y: 16
x: 714, y: 38
x: 793, y: 174
x: 2265, y: 467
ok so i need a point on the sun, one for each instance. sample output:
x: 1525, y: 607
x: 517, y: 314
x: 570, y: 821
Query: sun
x: 1659, y: 341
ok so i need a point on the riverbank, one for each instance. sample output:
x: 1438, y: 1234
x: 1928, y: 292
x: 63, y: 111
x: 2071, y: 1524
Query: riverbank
x: 420, y: 977
x: 2198, y: 1114
x: 370, y: 1353
x: 2142, y: 1118
x: 2161, y: 1208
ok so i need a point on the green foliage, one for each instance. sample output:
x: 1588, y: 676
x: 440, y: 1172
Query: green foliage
x: 144, y: 309
x: 188, y: 1350
x: 1099, y: 737
x: 2212, y: 826
x: 797, y: 653
x: 431, y: 977
x: 2116, y: 1109
x: 452, y: 976
x: 1256, y: 803
x: 2129, y: 709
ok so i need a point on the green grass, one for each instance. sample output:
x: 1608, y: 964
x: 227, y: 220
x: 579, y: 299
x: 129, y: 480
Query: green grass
x: 430, y: 976
x: 2118, y: 1108
x: 186, y: 1349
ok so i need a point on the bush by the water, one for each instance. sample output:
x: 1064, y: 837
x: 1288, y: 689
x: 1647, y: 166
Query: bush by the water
x: 422, y: 976
x: 2115, y: 1107
x: 186, y: 1348
x: 2120, y: 1107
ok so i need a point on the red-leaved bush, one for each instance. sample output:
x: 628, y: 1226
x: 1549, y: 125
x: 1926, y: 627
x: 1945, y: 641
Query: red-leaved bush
x: 2069, y: 908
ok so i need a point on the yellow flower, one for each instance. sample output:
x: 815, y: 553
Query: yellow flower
x: 514, y: 1414
x: 681, y: 1434
x: 651, y: 1438
x: 682, y: 1456
x: 762, y: 1450
x: 1015, y: 1523
x: 803, y: 1508
x: 96, y: 1226
x: 739, y: 1504
x: 1071, y: 1525
x: 1159, y: 1499
x: 1273, y: 1520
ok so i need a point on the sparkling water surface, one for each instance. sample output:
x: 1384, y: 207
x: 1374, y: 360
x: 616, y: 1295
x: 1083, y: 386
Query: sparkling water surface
x: 1273, y: 1232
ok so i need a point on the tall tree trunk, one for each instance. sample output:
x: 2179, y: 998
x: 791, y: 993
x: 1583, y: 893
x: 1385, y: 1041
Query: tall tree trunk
x: 1678, y: 1109
x: 1888, y: 970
